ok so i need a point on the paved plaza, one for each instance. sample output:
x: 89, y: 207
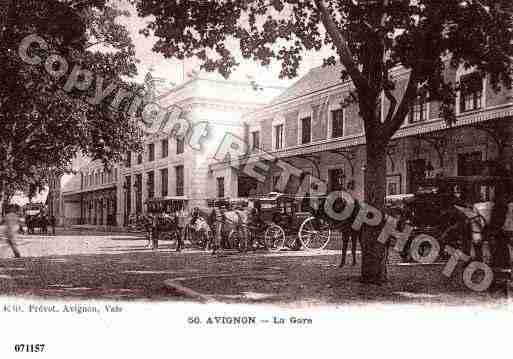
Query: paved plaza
x: 121, y: 266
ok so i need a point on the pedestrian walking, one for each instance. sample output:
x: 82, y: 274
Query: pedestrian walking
x: 10, y: 226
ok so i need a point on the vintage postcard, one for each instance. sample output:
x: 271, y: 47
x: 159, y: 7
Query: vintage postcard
x: 300, y: 178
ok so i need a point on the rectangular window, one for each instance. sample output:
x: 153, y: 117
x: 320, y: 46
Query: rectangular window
x: 128, y: 161
x: 179, y: 180
x: 165, y: 148
x: 151, y: 184
x: 139, y: 158
x: 164, y: 181
x: 278, y: 137
x: 471, y: 92
x: 179, y: 145
x: 220, y: 187
x: 151, y: 152
x: 418, y: 110
x: 337, y: 123
x: 306, y: 130
x: 138, y: 193
x: 255, y: 140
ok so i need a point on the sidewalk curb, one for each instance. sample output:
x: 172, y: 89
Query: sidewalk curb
x: 175, y: 285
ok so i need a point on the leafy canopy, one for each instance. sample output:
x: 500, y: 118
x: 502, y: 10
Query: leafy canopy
x: 42, y: 126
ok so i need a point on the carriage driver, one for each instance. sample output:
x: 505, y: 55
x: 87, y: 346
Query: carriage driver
x: 217, y: 217
x: 194, y: 216
x: 257, y: 222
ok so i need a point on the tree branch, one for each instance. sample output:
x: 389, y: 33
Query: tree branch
x: 393, y: 103
x: 94, y: 44
x: 390, y: 127
x: 346, y: 57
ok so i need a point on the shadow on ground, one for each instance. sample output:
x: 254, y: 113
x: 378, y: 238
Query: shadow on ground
x: 281, y: 278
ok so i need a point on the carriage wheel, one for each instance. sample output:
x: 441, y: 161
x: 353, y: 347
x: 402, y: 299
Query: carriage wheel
x: 203, y: 239
x: 170, y: 237
x: 274, y: 237
x: 195, y: 238
x: 236, y: 241
x: 314, y: 233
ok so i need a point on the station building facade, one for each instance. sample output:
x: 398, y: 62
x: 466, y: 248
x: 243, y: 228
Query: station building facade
x: 306, y: 126
x: 170, y: 166
x: 309, y: 127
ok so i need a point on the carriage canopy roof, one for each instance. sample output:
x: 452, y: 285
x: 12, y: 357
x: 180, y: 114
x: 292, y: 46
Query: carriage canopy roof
x: 166, y: 204
x: 455, y: 180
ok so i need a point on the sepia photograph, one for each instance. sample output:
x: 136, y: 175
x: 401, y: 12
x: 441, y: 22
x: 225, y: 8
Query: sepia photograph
x: 294, y: 167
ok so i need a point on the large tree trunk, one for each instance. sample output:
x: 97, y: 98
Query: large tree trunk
x: 373, y: 252
x: 2, y: 198
x: 500, y: 253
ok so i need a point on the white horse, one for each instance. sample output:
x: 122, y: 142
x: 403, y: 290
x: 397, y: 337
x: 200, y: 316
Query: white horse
x: 232, y: 225
x: 198, y: 231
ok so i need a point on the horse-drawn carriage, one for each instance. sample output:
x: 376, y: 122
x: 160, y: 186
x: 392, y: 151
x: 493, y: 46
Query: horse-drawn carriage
x: 251, y: 223
x: 454, y: 210
x: 275, y: 222
x: 169, y: 218
x: 316, y: 230
x: 35, y: 217
x: 283, y: 210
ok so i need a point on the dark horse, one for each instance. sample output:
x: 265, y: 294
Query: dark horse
x: 330, y: 209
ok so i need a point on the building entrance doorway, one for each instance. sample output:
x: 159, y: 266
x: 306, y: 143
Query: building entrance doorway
x: 336, y: 179
x: 416, y: 173
x: 247, y: 186
x: 469, y: 164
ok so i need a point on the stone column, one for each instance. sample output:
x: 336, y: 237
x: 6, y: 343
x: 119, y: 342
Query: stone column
x: 158, y: 183
x: 105, y: 209
x: 120, y: 203
x: 231, y: 184
x: 144, y: 191
x: 133, y: 195
x: 172, y: 181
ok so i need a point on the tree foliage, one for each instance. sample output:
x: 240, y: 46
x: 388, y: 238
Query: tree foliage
x: 42, y: 126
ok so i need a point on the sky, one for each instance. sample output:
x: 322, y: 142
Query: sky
x: 172, y: 70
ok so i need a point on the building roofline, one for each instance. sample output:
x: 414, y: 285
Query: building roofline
x: 199, y: 78
x: 395, y: 71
